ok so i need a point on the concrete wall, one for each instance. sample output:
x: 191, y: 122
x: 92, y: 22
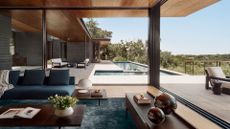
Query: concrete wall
x: 89, y: 50
x: 29, y: 45
x: 56, y: 49
x: 78, y: 52
x: 5, y: 35
x: 75, y: 52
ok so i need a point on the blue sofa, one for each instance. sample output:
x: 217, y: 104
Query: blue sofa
x: 36, y: 85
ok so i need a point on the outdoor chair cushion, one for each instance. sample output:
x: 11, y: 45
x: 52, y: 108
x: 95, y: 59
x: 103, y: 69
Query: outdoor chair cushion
x: 225, y: 84
x: 58, y: 77
x: 56, y: 60
x: 216, y: 72
x: 33, y: 77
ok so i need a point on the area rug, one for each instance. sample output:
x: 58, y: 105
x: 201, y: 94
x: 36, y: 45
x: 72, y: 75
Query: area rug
x: 109, y: 115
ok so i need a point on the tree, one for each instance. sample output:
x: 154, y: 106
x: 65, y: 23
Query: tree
x: 95, y: 31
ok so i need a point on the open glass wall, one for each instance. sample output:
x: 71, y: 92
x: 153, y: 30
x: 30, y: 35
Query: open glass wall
x: 191, y: 44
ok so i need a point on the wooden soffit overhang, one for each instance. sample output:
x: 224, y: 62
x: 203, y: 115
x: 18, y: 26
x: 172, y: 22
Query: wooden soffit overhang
x: 102, y: 41
x: 59, y: 23
x: 114, y: 8
x: 63, y: 17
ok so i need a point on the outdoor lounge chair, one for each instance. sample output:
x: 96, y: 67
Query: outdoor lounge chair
x: 57, y: 62
x: 219, y: 82
x: 83, y: 64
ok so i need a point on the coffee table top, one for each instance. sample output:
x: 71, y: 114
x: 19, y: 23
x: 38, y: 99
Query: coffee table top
x: 88, y: 94
x: 45, y: 117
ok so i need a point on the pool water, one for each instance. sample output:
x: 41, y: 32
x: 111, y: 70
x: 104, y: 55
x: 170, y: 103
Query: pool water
x: 128, y: 68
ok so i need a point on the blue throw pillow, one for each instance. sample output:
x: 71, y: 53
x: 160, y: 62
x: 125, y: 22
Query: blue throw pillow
x: 34, y: 77
x: 13, y: 77
x: 58, y: 77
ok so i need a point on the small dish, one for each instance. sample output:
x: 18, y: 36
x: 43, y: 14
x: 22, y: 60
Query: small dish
x: 82, y: 91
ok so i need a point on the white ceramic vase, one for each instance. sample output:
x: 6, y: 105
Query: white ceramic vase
x: 65, y: 112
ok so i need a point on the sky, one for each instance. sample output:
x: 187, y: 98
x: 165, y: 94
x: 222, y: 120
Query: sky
x: 204, y: 32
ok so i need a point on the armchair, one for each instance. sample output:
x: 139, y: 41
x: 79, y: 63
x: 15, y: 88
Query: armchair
x: 83, y: 64
x: 218, y: 80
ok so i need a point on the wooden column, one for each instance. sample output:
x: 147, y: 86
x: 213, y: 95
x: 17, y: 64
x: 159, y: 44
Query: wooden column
x: 44, y: 40
x: 154, y: 46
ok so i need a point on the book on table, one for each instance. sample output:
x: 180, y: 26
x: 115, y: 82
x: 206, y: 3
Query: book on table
x: 27, y: 113
x: 141, y: 99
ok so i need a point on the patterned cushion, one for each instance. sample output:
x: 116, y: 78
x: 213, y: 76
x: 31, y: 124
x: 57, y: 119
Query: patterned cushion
x: 33, y: 77
x: 58, y: 77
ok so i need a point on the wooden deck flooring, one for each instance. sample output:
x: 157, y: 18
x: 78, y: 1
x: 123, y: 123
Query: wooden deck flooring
x: 218, y: 105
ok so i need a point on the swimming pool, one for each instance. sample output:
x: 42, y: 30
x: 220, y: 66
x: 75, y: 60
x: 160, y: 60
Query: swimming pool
x: 129, y: 68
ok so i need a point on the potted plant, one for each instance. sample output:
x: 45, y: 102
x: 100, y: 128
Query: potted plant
x: 63, y: 105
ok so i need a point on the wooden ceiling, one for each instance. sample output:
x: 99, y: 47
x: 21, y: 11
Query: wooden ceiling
x: 181, y: 8
x: 171, y: 8
x: 66, y: 25
x: 61, y: 24
x: 79, y: 3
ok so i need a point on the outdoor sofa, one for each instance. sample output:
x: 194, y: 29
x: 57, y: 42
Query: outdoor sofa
x: 36, y: 85
x: 58, y: 62
x: 218, y: 80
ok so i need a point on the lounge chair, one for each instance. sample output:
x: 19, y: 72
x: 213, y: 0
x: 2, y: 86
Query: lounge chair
x: 58, y: 62
x: 218, y: 80
x: 83, y: 64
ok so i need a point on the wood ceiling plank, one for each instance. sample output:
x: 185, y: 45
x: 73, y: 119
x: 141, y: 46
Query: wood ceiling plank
x: 22, y: 2
x: 121, y: 3
x: 181, y: 8
x: 62, y: 25
x: 110, y: 13
x: 19, y: 26
x: 172, y: 8
x: 30, y: 18
x: 70, y: 3
x: 79, y: 3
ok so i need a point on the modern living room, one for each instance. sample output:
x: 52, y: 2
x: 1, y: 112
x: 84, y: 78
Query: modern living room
x: 47, y: 54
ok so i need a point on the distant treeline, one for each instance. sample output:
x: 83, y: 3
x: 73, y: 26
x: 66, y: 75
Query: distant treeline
x: 136, y: 51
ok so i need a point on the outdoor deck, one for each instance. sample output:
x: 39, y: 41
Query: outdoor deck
x: 218, y: 105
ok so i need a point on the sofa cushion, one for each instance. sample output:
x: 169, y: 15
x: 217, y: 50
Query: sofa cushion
x: 14, y: 77
x: 33, y: 77
x: 37, y: 92
x: 58, y: 77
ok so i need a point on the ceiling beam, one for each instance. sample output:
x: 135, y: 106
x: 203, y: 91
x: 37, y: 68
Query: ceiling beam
x: 71, y: 8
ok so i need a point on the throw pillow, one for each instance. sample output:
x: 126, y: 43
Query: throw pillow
x: 33, y: 77
x: 58, y: 77
x: 13, y: 77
